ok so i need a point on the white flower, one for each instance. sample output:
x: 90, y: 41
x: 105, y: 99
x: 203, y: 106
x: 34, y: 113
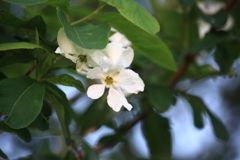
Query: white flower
x: 76, y: 54
x: 119, y: 38
x: 113, y: 53
x: 112, y: 74
x: 117, y: 79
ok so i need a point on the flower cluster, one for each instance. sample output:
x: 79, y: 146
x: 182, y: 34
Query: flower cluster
x: 108, y: 66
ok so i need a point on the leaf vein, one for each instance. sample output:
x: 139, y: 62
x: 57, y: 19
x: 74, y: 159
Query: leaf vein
x: 20, y: 98
x: 78, y: 37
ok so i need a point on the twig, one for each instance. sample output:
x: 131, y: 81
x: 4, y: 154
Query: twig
x: 189, y: 59
x: 75, y: 98
x: 122, y: 130
x: 78, y: 154
x: 30, y: 69
x: 229, y: 5
x: 87, y: 17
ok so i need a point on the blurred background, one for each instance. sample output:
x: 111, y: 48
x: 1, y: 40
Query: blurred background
x: 203, y: 37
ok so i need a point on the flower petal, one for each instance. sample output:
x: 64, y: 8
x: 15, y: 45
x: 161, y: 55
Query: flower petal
x: 95, y: 73
x: 58, y: 50
x: 120, y: 38
x: 66, y: 45
x: 127, y: 57
x: 81, y: 68
x: 114, y: 99
x: 101, y: 59
x: 125, y: 77
x: 95, y: 91
x: 114, y: 51
x: 73, y: 57
x: 127, y: 105
x: 97, y: 55
x: 136, y: 87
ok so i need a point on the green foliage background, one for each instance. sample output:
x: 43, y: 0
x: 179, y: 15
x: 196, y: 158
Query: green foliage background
x: 164, y: 56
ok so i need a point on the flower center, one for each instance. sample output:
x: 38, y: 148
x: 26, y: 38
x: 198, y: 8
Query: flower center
x: 108, y: 80
x: 82, y: 58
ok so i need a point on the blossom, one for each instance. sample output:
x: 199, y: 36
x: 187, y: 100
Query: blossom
x: 113, y: 53
x: 76, y: 54
x: 117, y: 79
x: 119, y: 38
x: 112, y: 74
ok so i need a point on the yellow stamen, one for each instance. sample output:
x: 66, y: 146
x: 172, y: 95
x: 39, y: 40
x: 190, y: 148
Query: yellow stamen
x: 108, y: 80
x: 82, y: 58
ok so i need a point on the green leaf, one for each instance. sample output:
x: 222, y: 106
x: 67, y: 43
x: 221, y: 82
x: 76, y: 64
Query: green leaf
x: 198, y: 107
x: 21, y: 101
x: 56, y: 3
x: 11, y: 57
x: 62, y: 107
x: 42, y: 119
x: 225, y: 55
x: 197, y: 102
x: 219, y: 129
x: 86, y: 36
x: 26, y: 2
x: 93, y: 116
x: 59, y: 3
x: 188, y: 2
x: 37, y: 37
x: 7, y: 19
x: 44, y: 152
x: 63, y: 62
x: 157, y: 133
x: 210, y: 40
x: 135, y: 13
x: 22, y: 133
x: 2, y: 76
x: 161, y: 97
x: 47, y: 64
x: 67, y: 80
x: 70, y: 156
x: 150, y: 46
x: 217, y: 20
x: 3, y: 155
x: 111, y: 140
x: 89, y: 152
x: 18, y: 45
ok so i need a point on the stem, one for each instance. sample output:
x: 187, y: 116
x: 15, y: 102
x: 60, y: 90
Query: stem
x: 31, y: 69
x: 229, y: 5
x: 78, y: 154
x: 90, y: 15
x: 181, y: 70
x: 123, y: 130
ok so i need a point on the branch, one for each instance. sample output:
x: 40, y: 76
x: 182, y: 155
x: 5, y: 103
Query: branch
x: 78, y: 154
x: 188, y: 60
x: 122, y: 130
x: 229, y: 5
x: 90, y: 15
x: 30, y: 69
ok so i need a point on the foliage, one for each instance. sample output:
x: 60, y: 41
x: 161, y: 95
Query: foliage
x: 30, y: 68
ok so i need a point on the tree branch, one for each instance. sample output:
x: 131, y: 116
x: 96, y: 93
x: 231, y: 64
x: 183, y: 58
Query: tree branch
x: 122, y: 130
x: 188, y: 60
x: 78, y: 154
x: 229, y: 5
x: 30, y: 69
